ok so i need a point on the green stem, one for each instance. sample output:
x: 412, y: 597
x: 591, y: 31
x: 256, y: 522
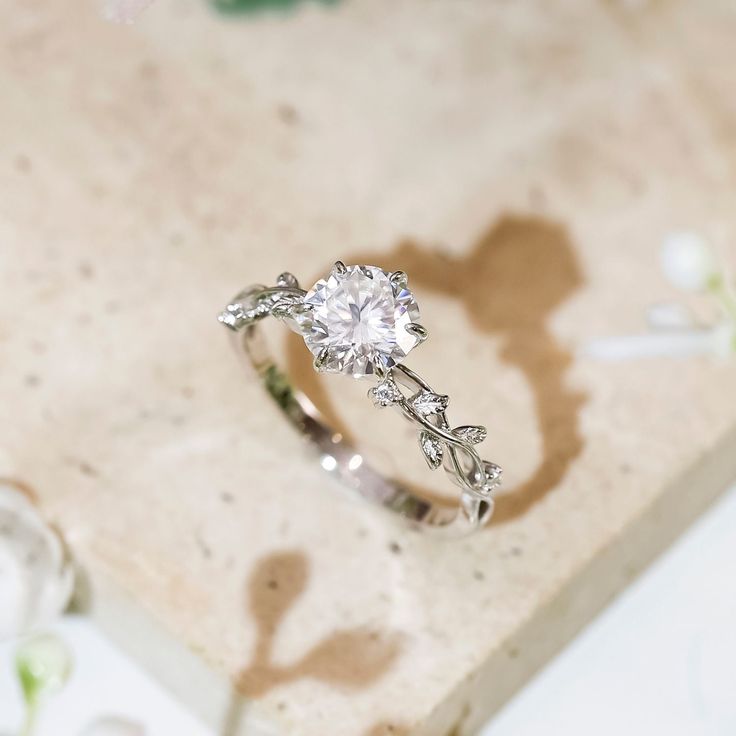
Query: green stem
x: 29, y: 722
x: 725, y: 296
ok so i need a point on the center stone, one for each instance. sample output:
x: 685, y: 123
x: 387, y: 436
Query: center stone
x: 360, y: 317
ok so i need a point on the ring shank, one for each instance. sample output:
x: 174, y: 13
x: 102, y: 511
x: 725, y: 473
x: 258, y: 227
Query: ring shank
x: 339, y: 457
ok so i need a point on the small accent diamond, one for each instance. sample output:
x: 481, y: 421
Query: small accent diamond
x: 493, y: 474
x: 385, y: 393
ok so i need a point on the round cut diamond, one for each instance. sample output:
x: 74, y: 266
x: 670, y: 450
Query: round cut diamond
x: 357, y: 321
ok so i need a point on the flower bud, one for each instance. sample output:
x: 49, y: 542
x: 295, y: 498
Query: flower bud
x: 43, y: 665
x: 688, y: 262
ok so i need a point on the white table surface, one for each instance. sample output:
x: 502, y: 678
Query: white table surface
x: 660, y: 660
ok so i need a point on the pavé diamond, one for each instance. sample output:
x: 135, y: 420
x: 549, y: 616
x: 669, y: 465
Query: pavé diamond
x: 386, y: 393
x: 360, y: 317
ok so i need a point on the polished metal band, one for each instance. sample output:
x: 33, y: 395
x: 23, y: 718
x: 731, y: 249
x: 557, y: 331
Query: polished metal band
x: 399, y: 387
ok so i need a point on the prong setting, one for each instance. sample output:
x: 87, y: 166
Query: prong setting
x: 419, y: 331
x: 361, y: 316
x: 320, y: 360
x: 301, y: 309
x: 339, y: 269
x: 380, y: 371
x: 287, y: 280
x: 282, y: 311
x: 399, y: 279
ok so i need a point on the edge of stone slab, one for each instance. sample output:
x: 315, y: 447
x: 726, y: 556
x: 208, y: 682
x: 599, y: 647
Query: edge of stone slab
x: 179, y: 669
x: 474, y: 701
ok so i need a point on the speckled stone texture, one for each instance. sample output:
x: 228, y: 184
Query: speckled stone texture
x: 522, y: 164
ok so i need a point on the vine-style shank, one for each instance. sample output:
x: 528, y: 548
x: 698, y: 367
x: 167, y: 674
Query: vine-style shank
x: 398, y: 387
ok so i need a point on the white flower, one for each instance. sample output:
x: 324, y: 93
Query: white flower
x: 43, y: 664
x: 113, y: 727
x: 688, y: 262
x: 36, y: 579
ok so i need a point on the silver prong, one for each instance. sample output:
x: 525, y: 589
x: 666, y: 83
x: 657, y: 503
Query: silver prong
x: 296, y: 318
x: 287, y: 280
x: 380, y: 371
x: 418, y: 331
x: 320, y: 359
x: 339, y: 269
x: 301, y: 308
x: 282, y: 311
x: 399, y: 278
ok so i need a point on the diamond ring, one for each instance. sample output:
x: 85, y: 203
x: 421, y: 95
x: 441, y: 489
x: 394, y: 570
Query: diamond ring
x: 363, y: 321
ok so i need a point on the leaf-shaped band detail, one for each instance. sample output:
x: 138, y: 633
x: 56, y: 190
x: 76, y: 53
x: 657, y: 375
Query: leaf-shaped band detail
x: 426, y: 403
x: 432, y: 449
x: 471, y: 433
